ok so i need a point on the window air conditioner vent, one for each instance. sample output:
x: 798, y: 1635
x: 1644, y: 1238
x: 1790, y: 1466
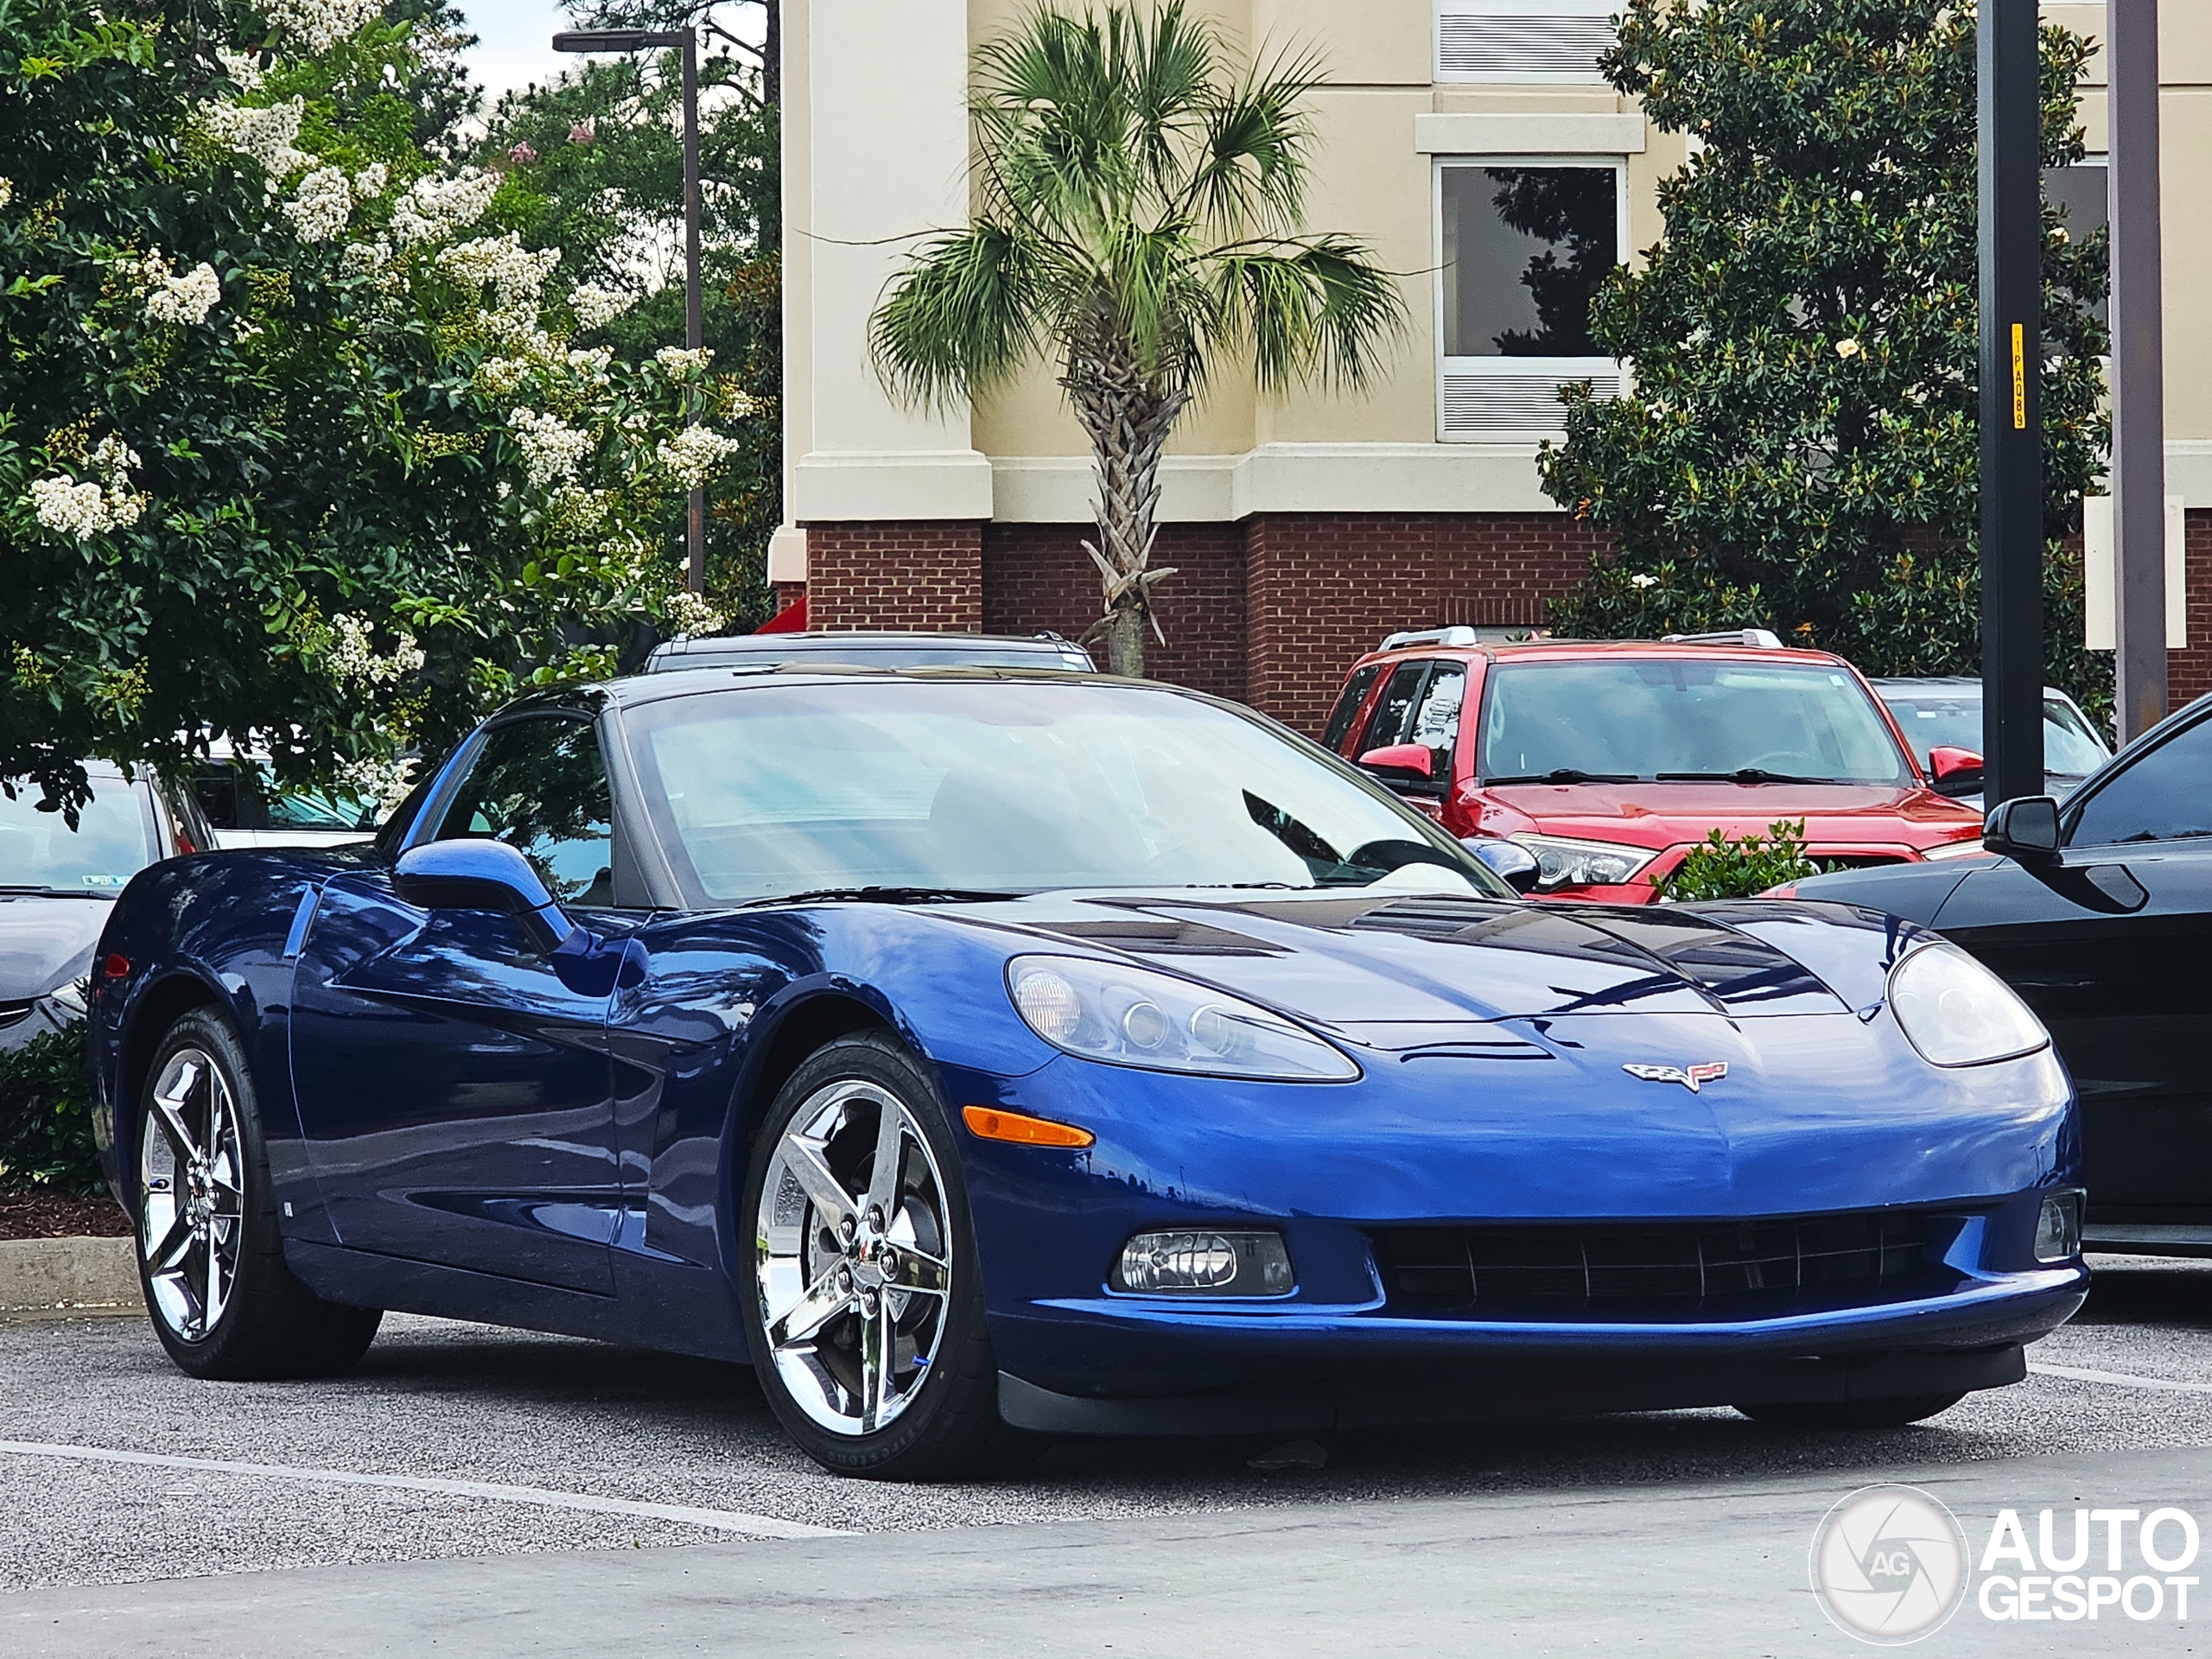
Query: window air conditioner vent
x: 1476, y: 406
x: 1520, y: 45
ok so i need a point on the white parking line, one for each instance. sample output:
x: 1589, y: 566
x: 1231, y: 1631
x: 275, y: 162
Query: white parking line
x: 2122, y: 1379
x: 750, y: 1526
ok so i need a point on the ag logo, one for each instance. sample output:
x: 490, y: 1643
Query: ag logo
x: 1890, y: 1565
x: 1691, y: 1077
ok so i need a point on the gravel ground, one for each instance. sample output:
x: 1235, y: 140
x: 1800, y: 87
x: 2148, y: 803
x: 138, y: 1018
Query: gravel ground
x: 465, y: 1402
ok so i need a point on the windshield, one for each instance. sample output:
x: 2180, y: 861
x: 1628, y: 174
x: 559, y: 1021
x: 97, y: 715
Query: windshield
x: 1953, y: 719
x: 1671, y: 718
x: 110, y: 843
x: 311, y: 809
x: 1008, y: 786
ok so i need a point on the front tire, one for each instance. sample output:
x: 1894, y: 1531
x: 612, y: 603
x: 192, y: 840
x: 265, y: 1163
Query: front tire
x: 1892, y: 1412
x: 211, y: 1259
x: 864, y: 1300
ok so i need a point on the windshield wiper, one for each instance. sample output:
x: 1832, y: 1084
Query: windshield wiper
x: 1743, y: 775
x: 886, y: 896
x: 1569, y: 775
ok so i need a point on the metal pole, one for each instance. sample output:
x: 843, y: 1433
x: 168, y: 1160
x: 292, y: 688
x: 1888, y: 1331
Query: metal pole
x: 2139, y: 392
x: 695, y: 322
x: 2011, y: 406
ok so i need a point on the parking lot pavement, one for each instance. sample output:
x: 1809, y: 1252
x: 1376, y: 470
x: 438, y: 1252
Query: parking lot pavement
x: 459, y: 1441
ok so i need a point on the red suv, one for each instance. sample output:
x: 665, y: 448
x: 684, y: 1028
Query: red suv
x: 1609, y: 761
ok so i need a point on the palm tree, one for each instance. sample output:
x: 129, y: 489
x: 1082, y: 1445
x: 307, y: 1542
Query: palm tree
x: 1140, y: 219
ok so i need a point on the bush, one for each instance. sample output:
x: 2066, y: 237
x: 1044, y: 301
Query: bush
x: 1721, y: 868
x: 46, y: 1120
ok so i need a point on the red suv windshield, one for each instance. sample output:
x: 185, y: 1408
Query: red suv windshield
x: 1662, y: 720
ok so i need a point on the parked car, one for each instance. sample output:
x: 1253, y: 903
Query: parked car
x: 1609, y: 762
x: 58, y: 881
x: 246, y: 808
x: 872, y: 651
x: 2099, y: 913
x: 983, y: 1055
x: 1941, y: 720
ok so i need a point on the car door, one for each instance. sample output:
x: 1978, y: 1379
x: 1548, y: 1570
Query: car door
x: 1421, y: 705
x: 454, y: 1090
x: 2109, y: 945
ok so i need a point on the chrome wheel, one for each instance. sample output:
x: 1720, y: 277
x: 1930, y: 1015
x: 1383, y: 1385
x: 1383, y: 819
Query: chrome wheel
x: 192, y: 1194
x: 852, y: 1259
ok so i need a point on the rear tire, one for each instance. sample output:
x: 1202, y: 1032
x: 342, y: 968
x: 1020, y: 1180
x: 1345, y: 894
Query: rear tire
x: 210, y: 1261
x: 1892, y: 1412
x: 870, y: 1370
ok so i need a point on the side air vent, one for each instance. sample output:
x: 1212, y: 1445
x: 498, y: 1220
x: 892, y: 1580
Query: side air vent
x: 1522, y: 40
x: 1483, y: 405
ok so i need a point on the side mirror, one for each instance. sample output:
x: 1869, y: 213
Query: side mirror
x: 1401, y: 765
x: 1954, y: 772
x: 482, y: 875
x: 2026, y: 829
x: 1509, y: 860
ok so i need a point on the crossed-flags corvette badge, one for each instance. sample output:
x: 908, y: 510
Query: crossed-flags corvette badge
x: 1691, y: 1077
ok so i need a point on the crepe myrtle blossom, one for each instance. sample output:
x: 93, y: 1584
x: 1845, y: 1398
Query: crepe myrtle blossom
x: 242, y: 68
x: 318, y: 25
x: 688, y: 614
x: 433, y: 208
x: 265, y: 135
x: 170, y: 298
x: 595, y: 306
x: 351, y: 657
x: 551, y: 448
x: 681, y: 363
x: 537, y: 355
x: 322, y: 205
x: 522, y: 155
x: 695, y: 453
x: 83, y: 509
x: 584, y: 131
x: 370, y: 180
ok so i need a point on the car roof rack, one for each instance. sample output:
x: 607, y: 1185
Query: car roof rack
x: 1756, y: 638
x: 1432, y: 636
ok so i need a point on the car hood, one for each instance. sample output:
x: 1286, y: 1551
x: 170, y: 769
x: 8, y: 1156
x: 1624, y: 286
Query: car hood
x: 46, y: 942
x: 1403, y: 969
x: 1659, y: 816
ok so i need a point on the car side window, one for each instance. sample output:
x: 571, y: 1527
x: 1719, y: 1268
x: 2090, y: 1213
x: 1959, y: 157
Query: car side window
x: 540, y: 785
x: 1347, y: 709
x: 2165, y: 796
x: 1436, y: 717
x: 1394, y: 710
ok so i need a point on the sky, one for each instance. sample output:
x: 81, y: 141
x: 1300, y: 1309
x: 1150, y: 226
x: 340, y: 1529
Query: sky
x: 514, y: 45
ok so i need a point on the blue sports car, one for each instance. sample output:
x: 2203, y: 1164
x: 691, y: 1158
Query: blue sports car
x: 987, y: 1055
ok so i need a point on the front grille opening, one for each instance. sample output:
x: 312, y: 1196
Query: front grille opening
x: 1733, y: 1268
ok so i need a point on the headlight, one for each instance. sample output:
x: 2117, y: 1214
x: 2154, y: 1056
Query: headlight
x: 1131, y: 1016
x: 1564, y: 863
x: 1955, y: 1012
x: 72, y: 996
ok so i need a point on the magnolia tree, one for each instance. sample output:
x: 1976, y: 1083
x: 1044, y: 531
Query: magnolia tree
x: 300, y: 445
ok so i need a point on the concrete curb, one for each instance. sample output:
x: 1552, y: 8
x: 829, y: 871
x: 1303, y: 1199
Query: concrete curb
x: 68, y: 1278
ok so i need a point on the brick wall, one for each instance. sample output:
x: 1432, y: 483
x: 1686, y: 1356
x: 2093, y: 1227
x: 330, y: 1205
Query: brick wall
x: 1038, y: 577
x: 923, y: 576
x: 1323, y: 589
x: 1272, y: 611
x: 2188, y: 673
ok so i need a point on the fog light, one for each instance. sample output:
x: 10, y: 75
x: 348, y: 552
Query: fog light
x: 1205, y: 1264
x: 2058, y: 1229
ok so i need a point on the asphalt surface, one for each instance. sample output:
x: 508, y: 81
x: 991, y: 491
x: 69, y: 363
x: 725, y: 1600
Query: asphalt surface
x: 695, y: 1509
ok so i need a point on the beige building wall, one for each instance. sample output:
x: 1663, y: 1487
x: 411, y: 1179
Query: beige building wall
x: 875, y: 146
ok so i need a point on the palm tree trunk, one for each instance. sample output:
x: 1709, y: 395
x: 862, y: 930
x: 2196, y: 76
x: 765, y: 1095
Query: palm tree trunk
x: 1127, y: 419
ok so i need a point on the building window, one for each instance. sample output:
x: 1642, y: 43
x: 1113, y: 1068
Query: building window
x: 1522, y: 250
x: 2078, y: 192
x: 1538, y: 41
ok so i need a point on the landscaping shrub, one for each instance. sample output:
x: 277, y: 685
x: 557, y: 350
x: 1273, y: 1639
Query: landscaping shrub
x: 46, y: 1120
x: 1721, y: 868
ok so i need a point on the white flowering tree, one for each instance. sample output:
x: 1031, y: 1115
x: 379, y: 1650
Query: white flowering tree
x: 296, y: 444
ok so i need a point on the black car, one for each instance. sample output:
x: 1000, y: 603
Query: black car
x: 2100, y: 915
x: 872, y: 651
x: 57, y: 885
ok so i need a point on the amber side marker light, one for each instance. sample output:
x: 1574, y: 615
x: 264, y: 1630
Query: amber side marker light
x: 989, y: 1124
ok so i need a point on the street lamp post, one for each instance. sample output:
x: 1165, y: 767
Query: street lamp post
x: 694, y: 328
x: 2011, y: 131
